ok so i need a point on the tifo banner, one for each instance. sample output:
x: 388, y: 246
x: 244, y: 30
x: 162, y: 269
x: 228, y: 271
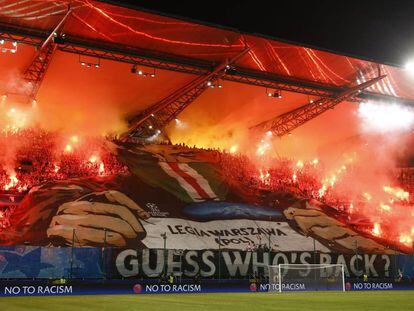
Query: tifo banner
x: 115, y: 263
x: 227, y: 234
x: 237, y: 264
x: 184, y: 193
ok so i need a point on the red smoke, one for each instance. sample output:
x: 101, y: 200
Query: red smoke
x: 352, y: 168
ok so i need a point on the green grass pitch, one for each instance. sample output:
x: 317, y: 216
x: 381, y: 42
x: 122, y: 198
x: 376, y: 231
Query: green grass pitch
x: 386, y: 300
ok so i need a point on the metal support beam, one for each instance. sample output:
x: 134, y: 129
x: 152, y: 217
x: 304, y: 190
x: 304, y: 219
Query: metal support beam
x: 154, y: 124
x: 153, y: 120
x: 36, y: 71
x: 273, y: 81
x: 240, y: 75
x: 29, y: 40
x: 134, y: 59
x: 287, y: 122
x: 169, y: 62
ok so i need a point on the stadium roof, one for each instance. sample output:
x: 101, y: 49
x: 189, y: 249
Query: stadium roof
x: 195, y: 47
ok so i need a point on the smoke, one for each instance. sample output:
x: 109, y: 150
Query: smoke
x: 356, y: 149
x: 380, y: 117
x: 18, y: 112
x: 11, y: 82
x: 77, y: 101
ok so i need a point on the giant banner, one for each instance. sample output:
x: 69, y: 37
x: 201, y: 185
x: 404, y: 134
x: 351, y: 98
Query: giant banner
x: 227, y: 234
x: 184, y: 194
x: 23, y: 262
x: 131, y: 263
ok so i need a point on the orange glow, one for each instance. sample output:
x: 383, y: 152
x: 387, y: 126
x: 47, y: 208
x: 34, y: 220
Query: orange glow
x: 385, y: 207
x: 13, y: 181
x: 101, y: 169
x: 14, y: 120
x: 218, y: 120
x: 406, y: 239
x: 74, y: 139
x: 315, y: 161
x: 68, y: 148
x: 322, y: 190
x: 233, y: 149
x: 262, y: 148
x: 93, y: 159
x: 367, y: 196
x: 3, y: 100
x: 351, y: 208
x: 377, y: 229
x: 397, y: 192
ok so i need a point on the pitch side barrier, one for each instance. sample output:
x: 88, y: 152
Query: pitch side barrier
x: 138, y: 287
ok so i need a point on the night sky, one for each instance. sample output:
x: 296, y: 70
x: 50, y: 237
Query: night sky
x: 378, y: 30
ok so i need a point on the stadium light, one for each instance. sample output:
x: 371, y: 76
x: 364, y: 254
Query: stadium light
x: 59, y: 39
x: 8, y: 46
x: 214, y: 84
x: 180, y: 124
x: 383, y: 117
x: 230, y: 69
x: 140, y: 72
x: 90, y: 64
x: 154, y: 136
x: 311, y: 101
x: 274, y: 93
x: 409, y: 67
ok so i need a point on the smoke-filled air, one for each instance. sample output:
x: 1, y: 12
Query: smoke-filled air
x: 352, y: 158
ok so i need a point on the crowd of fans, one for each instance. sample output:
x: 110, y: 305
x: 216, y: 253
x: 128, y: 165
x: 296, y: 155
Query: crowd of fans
x: 305, y: 179
x: 283, y: 175
x: 34, y: 157
x: 383, y: 214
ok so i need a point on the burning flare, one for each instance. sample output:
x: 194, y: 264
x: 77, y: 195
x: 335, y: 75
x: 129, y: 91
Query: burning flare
x: 397, y: 193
